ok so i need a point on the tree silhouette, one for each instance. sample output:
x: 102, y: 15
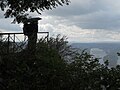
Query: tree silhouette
x: 19, y: 8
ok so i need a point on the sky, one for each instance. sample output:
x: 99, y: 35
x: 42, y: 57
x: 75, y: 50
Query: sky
x: 81, y: 21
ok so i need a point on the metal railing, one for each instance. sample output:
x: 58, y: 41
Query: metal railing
x: 16, y: 42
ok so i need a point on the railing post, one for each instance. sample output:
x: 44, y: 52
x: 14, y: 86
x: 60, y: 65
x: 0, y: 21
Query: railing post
x: 8, y: 47
x: 13, y: 42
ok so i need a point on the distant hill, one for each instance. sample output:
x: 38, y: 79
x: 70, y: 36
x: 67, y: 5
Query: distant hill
x: 98, y: 49
x: 105, y: 46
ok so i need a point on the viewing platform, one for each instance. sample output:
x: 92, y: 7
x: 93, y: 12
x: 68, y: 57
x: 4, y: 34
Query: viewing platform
x: 16, y: 42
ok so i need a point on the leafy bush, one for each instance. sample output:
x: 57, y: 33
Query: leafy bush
x: 50, y: 69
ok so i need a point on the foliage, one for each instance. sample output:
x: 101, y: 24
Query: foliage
x: 88, y: 74
x: 18, y: 8
x: 59, y: 45
x: 49, y: 70
x: 46, y: 70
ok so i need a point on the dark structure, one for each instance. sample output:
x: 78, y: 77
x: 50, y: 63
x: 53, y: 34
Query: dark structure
x: 30, y: 29
x: 16, y: 42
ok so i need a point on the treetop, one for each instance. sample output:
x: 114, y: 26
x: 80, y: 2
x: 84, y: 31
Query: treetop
x: 19, y: 8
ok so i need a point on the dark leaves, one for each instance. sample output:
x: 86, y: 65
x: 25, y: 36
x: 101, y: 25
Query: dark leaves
x: 48, y: 69
x: 18, y: 7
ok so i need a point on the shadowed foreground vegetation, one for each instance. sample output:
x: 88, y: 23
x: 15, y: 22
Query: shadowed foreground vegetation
x: 56, y: 66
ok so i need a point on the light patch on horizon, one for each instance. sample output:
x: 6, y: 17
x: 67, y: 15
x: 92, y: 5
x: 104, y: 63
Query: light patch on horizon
x: 77, y: 34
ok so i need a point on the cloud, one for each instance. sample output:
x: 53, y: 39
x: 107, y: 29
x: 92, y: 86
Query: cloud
x: 90, y: 14
x: 81, y: 21
x: 1, y: 14
x: 5, y: 24
x: 76, y: 33
x: 98, y: 20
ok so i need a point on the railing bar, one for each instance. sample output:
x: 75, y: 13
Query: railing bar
x: 19, y: 33
x: 14, y: 36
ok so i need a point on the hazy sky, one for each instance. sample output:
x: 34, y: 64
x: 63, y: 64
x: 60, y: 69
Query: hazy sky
x: 81, y: 21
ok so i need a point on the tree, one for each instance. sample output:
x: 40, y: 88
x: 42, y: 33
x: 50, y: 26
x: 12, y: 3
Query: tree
x: 59, y: 45
x: 47, y: 71
x: 19, y: 8
x: 50, y: 71
x: 87, y: 73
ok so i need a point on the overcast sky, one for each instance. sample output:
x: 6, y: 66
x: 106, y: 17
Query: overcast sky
x: 81, y: 21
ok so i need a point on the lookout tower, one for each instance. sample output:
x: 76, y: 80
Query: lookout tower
x: 30, y: 29
x: 11, y: 43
